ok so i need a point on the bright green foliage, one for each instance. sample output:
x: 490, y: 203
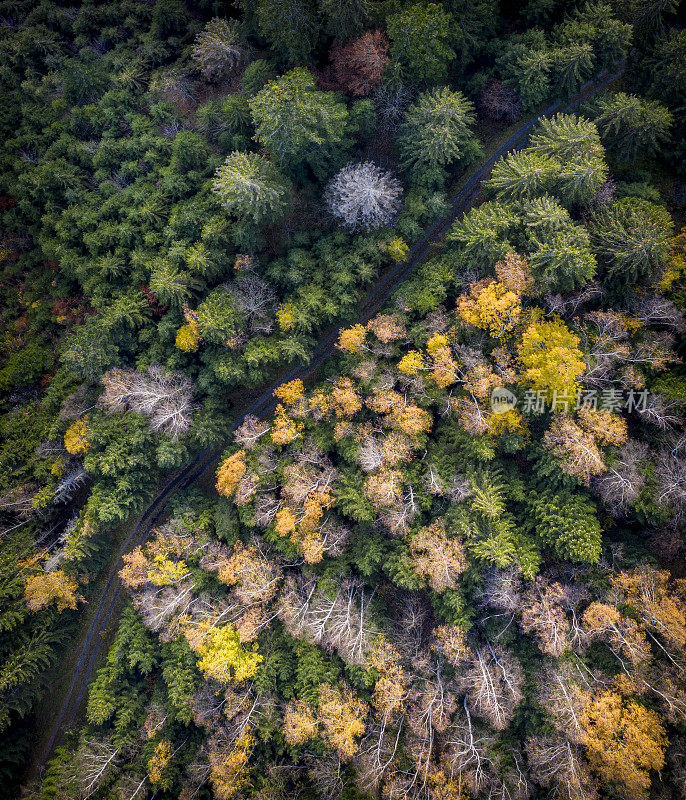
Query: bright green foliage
x: 560, y: 254
x: 420, y: 42
x: 250, y: 187
x: 116, y: 695
x: 180, y: 676
x: 437, y: 130
x: 290, y: 26
x: 631, y: 239
x: 171, y: 284
x: 296, y: 122
x: 217, y: 317
x: 631, y: 125
x: 482, y: 234
x: 564, y: 158
x: 567, y: 523
x: 256, y: 76
x: 523, y: 175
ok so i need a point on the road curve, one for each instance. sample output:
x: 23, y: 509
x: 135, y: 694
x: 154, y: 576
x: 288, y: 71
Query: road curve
x: 265, y: 403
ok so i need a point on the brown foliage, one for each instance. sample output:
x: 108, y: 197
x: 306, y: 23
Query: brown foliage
x: 357, y: 65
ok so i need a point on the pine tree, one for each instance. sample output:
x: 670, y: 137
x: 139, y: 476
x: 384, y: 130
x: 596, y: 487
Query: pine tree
x: 631, y: 239
x: 218, y: 49
x: 345, y: 19
x: 250, y: 187
x: 290, y: 26
x: 296, y: 122
x: 567, y: 523
x: 631, y: 125
x: 437, y: 130
x: 420, y: 42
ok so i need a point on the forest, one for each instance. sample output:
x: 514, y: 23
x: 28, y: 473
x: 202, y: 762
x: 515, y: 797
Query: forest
x: 342, y: 400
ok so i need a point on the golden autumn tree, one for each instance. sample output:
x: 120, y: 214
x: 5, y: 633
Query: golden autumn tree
x: 576, y: 448
x: 351, y: 340
x: 289, y: 393
x: 514, y: 273
x: 230, y: 473
x: 158, y: 763
x: 624, y: 741
x: 436, y: 558
x: 342, y: 718
x: 224, y: 658
x: 52, y: 587
x: 76, y: 437
x: 490, y: 306
x: 551, y: 357
x: 229, y: 772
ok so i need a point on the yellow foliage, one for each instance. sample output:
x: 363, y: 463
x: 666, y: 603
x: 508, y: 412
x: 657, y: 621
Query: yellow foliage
x: 289, y: 393
x: 285, y: 316
x: 51, y: 587
x: 411, y: 363
x: 300, y: 723
x: 624, y: 741
x: 187, y: 339
x: 480, y: 380
x: 230, y: 473
x: 284, y: 430
x: 229, y: 774
x: 412, y: 420
x: 511, y: 421
x: 398, y: 249
x: 674, y: 278
x: 551, y: 357
x: 436, y: 342
x: 223, y: 657
x: 608, y: 428
x: 346, y: 401
x: 386, y: 328
x: 342, y: 718
x: 351, y: 340
x: 493, y: 308
x: 159, y: 760
x: 165, y: 572
x: 285, y: 521
x: 76, y: 437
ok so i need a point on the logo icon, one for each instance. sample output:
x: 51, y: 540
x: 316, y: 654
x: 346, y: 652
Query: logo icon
x: 502, y: 400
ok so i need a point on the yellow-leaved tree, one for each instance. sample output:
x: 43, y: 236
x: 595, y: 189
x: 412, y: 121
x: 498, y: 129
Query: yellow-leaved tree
x: 230, y: 473
x: 51, y: 587
x: 224, y: 658
x: 490, y: 306
x: 551, y: 358
x: 624, y: 741
x: 76, y: 437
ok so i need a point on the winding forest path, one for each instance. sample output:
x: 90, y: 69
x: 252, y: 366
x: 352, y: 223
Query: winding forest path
x: 207, y: 459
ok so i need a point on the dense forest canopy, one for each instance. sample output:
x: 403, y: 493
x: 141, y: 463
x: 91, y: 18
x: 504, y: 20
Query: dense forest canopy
x: 444, y: 559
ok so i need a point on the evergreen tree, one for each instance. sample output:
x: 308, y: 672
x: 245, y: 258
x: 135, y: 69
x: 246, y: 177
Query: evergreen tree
x: 345, y: 19
x: 250, y: 187
x: 290, y: 26
x: 437, y: 131
x: 298, y: 123
x: 421, y: 42
x: 632, y: 239
x: 630, y: 125
x: 568, y: 524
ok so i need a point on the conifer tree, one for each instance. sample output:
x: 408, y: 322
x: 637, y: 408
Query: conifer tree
x: 250, y: 187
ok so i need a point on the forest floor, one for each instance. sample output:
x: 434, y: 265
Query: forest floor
x: 65, y: 701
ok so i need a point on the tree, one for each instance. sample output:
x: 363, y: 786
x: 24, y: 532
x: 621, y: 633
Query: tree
x: 76, y: 437
x: 296, y: 122
x: 345, y: 19
x: 493, y: 685
x: 576, y: 449
x: 491, y: 307
x: 165, y: 397
x: 420, y: 42
x: 568, y: 524
x: 230, y: 473
x: 551, y: 358
x: 499, y: 102
x: 250, y: 187
x: 290, y: 26
x: 437, y: 558
x: 570, y: 66
x: 218, y: 49
x: 624, y: 741
x: 631, y: 125
x: 362, y: 196
x: 542, y: 614
x: 225, y: 659
x: 438, y: 130
x: 631, y: 239
x: 52, y: 587
x: 357, y: 65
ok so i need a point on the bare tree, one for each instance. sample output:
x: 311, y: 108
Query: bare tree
x: 493, y: 685
x: 255, y: 299
x: 559, y: 764
x: 95, y: 761
x: 621, y: 484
